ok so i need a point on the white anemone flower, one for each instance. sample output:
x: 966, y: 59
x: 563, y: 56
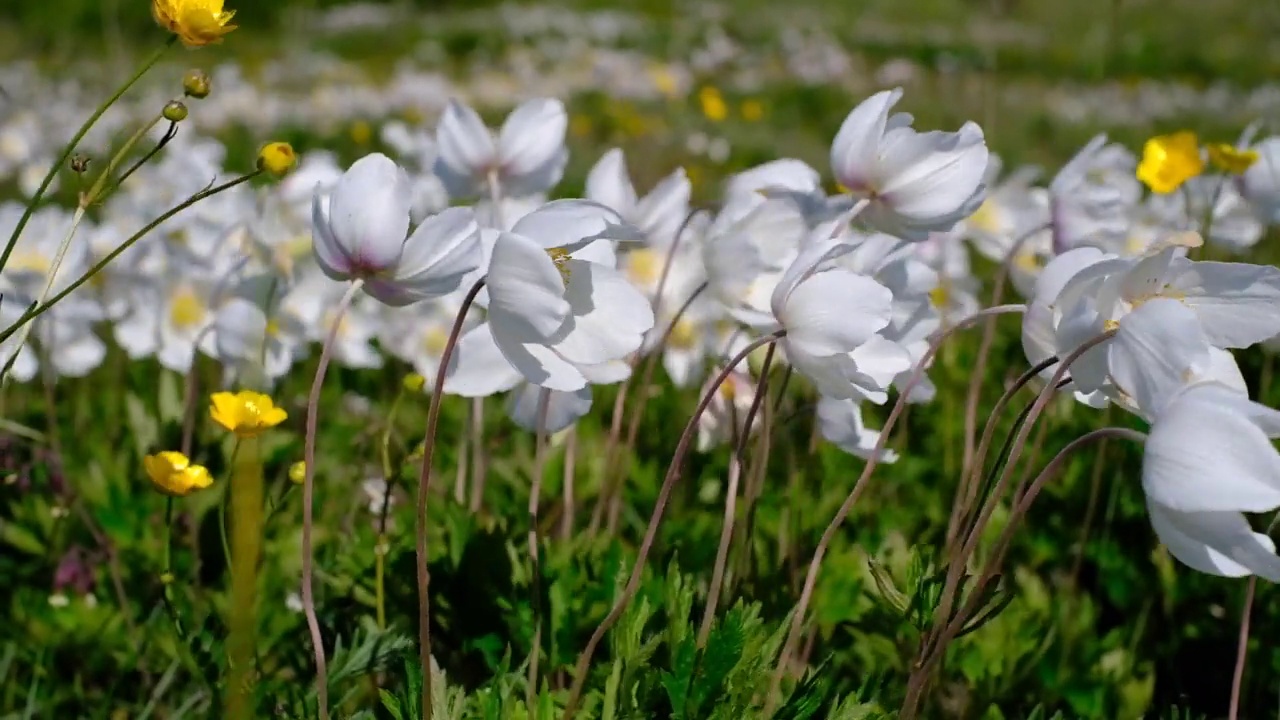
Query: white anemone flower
x: 657, y: 215
x: 1260, y: 184
x: 726, y: 414
x: 362, y: 232
x: 917, y: 183
x: 554, y: 307
x: 1092, y: 198
x: 1208, y: 460
x: 830, y: 314
x: 527, y: 156
x: 563, y: 408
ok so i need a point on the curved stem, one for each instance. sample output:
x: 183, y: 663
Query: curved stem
x: 308, y: 491
x: 71, y: 148
x: 535, y: 578
x: 731, y: 500
x: 651, y: 532
x: 424, y: 488
x: 828, y: 535
x: 380, y: 550
x: 1242, y: 651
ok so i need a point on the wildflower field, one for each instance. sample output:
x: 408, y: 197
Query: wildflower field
x: 725, y: 359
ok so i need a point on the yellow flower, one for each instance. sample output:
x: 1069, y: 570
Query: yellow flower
x: 174, y: 473
x: 277, y: 158
x: 298, y: 472
x: 245, y: 413
x: 1170, y: 160
x: 752, y: 110
x: 1229, y: 159
x: 196, y: 22
x: 713, y: 105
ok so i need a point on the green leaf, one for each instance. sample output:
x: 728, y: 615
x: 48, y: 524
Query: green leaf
x: 888, y: 590
x: 391, y: 703
x: 724, y: 649
x: 677, y: 682
x: 21, y: 538
x: 610, y: 710
x: 146, y: 431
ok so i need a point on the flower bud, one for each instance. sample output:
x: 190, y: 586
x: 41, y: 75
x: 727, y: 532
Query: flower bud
x: 298, y: 472
x: 196, y: 84
x: 277, y: 158
x: 174, y: 111
x: 413, y: 382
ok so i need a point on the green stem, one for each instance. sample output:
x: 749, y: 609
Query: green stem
x: 38, y: 310
x: 380, y: 549
x: 71, y: 148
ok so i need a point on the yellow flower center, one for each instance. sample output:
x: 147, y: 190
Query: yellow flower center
x: 1029, y: 262
x: 986, y: 218
x: 940, y: 296
x: 684, y: 335
x: 644, y: 267
x: 361, y: 132
x: 273, y: 328
x: 29, y: 261
x: 434, y: 340
x: 186, y: 310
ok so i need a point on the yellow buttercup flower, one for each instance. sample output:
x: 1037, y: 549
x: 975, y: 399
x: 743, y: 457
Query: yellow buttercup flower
x: 1229, y: 159
x: 174, y: 474
x: 1170, y: 160
x: 713, y: 104
x: 245, y: 413
x: 196, y: 22
x: 277, y: 158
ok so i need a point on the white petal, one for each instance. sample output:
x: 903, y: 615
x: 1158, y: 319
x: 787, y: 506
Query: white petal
x: 840, y: 422
x: 608, y: 317
x: 1238, y: 304
x: 329, y: 253
x: 443, y: 250
x: 563, y: 409
x: 934, y: 175
x: 661, y: 213
x: 1204, y: 455
x: 855, y: 147
x: 531, y: 146
x: 572, y: 224
x: 834, y: 312
x: 478, y: 368
x: 369, y: 213
x: 609, y: 184
x: 1155, y: 351
x: 1217, y: 543
x: 526, y: 292
x: 540, y: 365
x: 466, y: 147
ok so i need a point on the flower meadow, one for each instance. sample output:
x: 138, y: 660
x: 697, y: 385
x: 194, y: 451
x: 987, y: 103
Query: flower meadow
x: 606, y: 392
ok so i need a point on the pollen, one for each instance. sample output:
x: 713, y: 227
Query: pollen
x: 644, y: 267
x: 560, y: 258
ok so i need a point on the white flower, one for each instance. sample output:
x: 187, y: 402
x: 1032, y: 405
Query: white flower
x: 555, y: 310
x: 1260, y: 184
x: 527, y: 156
x: 360, y: 233
x: 1093, y: 196
x: 1208, y: 460
x: 831, y: 317
x: 917, y: 182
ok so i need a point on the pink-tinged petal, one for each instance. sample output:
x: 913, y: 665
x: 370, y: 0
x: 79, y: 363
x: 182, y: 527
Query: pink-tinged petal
x: 531, y: 149
x: 442, y: 251
x: 369, y: 213
x: 856, y: 146
x: 1203, y: 455
x: 478, y: 368
x: 608, y: 319
x: 329, y: 253
x: 526, y: 292
x: 609, y: 184
x: 834, y: 312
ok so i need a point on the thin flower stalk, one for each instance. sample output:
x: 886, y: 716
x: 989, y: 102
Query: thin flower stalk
x: 246, y: 488
x: 308, y: 493
x: 535, y: 565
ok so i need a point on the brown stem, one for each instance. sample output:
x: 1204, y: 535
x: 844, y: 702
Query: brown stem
x: 535, y: 577
x: 308, y: 491
x: 424, y: 488
x: 811, y: 578
x: 479, y: 462
x: 1242, y: 652
x: 651, y: 532
x: 731, y: 500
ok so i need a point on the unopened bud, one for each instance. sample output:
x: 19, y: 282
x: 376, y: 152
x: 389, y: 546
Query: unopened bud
x: 196, y: 84
x: 79, y: 163
x: 413, y: 382
x: 174, y: 111
x: 277, y: 158
x: 298, y: 472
